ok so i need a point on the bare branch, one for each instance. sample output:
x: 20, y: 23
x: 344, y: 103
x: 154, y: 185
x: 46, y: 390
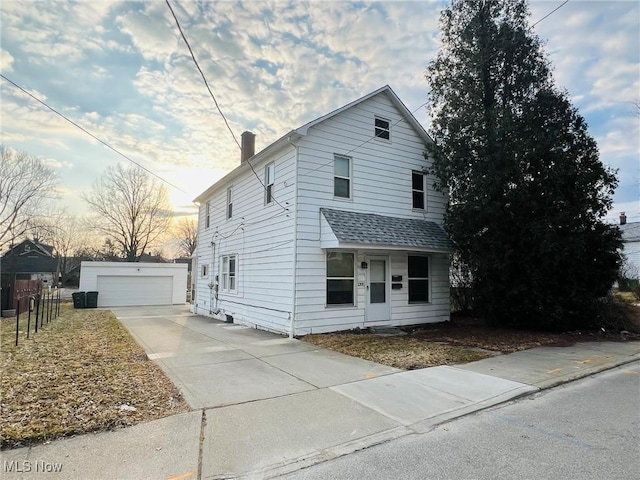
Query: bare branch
x: 130, y: 209
x: 26, y: 183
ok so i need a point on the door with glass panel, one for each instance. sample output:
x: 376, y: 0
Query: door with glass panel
x: 378, y: 302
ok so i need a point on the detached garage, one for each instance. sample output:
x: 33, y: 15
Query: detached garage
x: 121, y: 284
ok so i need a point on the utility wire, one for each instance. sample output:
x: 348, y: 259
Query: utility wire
x: 552, y: 11
x: 204, y: 79
x: 91, y: 134
x: 490, y: 57
x: 528, y: 29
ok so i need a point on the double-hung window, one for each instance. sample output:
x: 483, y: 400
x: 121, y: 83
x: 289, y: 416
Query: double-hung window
x: 341, y: 176
x: 382, y: 128
x: 418, y: 190
x: 269, y: 180
x: 229, y: 265
x: 229, y: 202
x: 340, y: 278
x: 418, y: 279
x: 207, y: 214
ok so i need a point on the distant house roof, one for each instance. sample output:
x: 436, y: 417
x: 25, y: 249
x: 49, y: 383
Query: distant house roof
x: 630, y: 232
x: 29, y: 257
x: 303, y: 130
x: 378, y: 230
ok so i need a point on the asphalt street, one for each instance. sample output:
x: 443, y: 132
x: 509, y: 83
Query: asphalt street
x: 588, y: 429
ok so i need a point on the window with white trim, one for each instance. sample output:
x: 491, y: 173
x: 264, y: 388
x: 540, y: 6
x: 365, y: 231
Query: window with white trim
x: 418, y: 278
x: 341, y: 176
x: 204, y: 271
x: 340, y: 278
x: 229, y: 266
x: 207, y: 215
x: 418, y: 190
x: 269, y: 180
x: 229, y: 202
x: 382, y: 128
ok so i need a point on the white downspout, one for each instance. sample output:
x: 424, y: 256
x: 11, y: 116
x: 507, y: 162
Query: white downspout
x: 292, y: 324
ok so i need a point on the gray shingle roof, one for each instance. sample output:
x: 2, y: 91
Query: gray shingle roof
x: 372, y: 229
x: 630, y: 232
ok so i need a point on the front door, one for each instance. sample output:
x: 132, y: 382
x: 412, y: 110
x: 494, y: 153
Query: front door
x: 378, y: 305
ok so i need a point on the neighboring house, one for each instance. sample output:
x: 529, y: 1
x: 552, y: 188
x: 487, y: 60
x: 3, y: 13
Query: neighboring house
x: 631, y: 246
x: 28, y: 260
x: 334, y: 226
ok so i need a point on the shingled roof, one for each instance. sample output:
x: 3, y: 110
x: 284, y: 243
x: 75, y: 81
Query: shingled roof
x: 379, y: 230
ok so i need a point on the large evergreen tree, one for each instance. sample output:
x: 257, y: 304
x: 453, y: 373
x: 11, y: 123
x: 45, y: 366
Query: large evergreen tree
x: 527, y: 189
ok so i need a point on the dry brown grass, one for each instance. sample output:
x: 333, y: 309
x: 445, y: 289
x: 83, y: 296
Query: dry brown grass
x: 400, y: 352
x: 74, y: 376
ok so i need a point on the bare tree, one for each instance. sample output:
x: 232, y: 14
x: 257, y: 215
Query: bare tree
x: 187, y: 236
x: 132, y: 209
x: 26, y: 183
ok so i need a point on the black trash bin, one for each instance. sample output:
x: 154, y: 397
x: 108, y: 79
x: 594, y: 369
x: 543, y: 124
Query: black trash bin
x: 92, y: 299
x: 79, y: 299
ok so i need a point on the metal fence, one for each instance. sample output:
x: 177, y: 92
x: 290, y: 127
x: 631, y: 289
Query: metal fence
x: 41, y: 305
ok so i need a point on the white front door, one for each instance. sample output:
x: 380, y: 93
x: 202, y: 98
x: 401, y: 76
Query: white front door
x: 378, y: 304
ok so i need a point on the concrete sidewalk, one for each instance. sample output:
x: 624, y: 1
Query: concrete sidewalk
x: 265, y: 405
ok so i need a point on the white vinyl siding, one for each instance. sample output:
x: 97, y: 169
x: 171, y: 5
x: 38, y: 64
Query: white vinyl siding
x: 263, y: 240
x: 381, y: 183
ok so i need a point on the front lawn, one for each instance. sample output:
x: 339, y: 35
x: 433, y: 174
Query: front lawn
x: 402, y: 352
x: 82, y: 372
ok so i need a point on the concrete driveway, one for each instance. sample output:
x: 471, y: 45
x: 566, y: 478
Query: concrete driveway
x: 217, y: 364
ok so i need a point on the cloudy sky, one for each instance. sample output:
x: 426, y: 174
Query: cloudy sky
x: 121, y: 70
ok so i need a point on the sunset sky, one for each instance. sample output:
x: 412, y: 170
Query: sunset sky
x: 121, y: 71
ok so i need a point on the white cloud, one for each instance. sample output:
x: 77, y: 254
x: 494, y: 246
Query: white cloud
x: 6, y: 61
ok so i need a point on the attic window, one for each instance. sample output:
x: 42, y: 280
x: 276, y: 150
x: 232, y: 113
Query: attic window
x: 382, y: 128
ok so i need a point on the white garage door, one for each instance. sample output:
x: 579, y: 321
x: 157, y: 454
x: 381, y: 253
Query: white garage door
x: 121, y: 291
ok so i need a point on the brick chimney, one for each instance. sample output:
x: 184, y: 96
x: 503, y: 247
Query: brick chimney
x: 248, y: 146
x: 623, y: 218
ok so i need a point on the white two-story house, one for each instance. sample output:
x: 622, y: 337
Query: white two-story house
x: 334, y: 226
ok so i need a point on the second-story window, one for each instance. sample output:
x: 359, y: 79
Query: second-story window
x: 382, y: 128
x: 342, y: 177
x: 207, y: 215
x: 418, y: 190
x: 229, y: 202
x: 269, y: 180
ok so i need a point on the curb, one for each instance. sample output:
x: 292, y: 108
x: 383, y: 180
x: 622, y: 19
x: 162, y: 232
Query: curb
x: 424, y: 426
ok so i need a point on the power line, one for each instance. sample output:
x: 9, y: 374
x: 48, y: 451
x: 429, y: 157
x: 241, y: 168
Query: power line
x: 552, y: 11
x: 528, y: 29
x: 204, y: 79
x: 91, y: 134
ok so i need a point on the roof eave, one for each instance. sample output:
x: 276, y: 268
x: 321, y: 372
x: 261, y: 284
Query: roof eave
x: 276, y: 146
